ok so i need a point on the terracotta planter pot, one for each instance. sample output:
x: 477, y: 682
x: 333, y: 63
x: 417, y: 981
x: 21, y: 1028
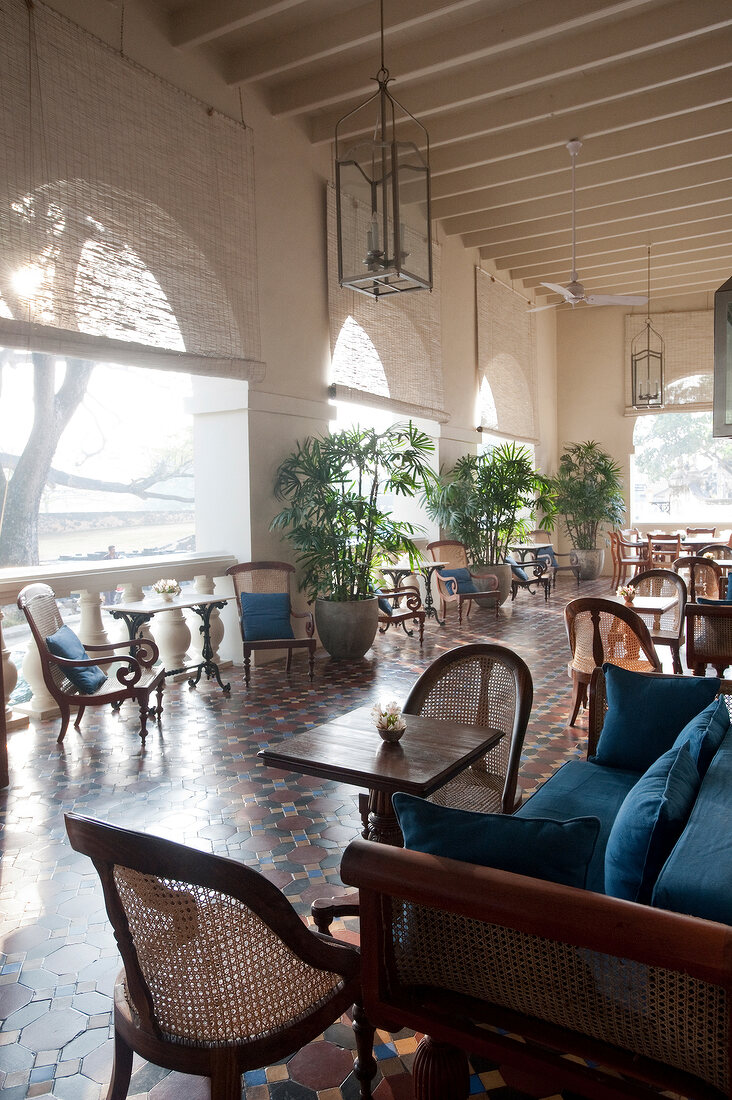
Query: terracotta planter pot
x: 347, y: 628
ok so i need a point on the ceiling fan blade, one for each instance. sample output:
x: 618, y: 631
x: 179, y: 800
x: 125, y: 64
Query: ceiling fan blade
x: 556, y: 288
x: 616, y: 299
x: 538, y: 309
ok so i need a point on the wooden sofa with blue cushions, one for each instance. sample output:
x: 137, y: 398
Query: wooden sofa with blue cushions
x: 615, y: 978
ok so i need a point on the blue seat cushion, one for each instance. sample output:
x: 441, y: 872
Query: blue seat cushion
x: 712, y: 603
x: 729, y: 587
x: 266, y: 616
x: 558, y: 851
x: 648, y: 824
x: 516, y: 569
x: 64, y: 643
x: 697, y: 876
x: 646, y: 713
x: 577, y: 789
x: 462, y: 579
x: 704, y: 734
x: 549, y: 555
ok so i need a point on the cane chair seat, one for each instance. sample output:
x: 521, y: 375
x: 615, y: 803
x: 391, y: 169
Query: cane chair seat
x: 702, y: 576
x: 668, y: 627
x: 485, y: 685
x: 220, y: 975
x: 270, y: 578
x: 602, y: 631
x: 135, y: 676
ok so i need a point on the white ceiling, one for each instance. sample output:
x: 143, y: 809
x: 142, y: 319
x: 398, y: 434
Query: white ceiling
x: 501, y: 87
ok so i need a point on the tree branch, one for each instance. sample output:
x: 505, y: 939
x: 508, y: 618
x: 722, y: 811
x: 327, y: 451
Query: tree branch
x: 137, y: 488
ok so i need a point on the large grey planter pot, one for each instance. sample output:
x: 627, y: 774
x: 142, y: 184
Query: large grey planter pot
x: 590, y: 563
x: 347, y: 628
x: 503, y: 572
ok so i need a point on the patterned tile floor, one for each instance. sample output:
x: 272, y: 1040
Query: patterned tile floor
x: 198, y: 780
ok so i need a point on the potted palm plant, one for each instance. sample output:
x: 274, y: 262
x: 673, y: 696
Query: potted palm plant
x: 488, y: 501
x: 588, y: 497
x: 332, y: 488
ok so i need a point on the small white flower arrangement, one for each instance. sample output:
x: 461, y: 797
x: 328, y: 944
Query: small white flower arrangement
x: 626, y: 592
x: 165, y: 587
x: 389, y: 720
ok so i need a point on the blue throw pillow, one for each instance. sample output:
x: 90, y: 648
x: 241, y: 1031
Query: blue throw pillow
x: 516, y: 569
x: 64, y: 643
x: 704, y: 734
x: 462, y: 578
x: 646, y: 713
x: 384, y: 606
x: 549, y: 554
x: 648, y: 824
x: 266, y: 616
x: 558, y: 851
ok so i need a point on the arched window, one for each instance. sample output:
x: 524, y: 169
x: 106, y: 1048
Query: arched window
x: 356, y: 362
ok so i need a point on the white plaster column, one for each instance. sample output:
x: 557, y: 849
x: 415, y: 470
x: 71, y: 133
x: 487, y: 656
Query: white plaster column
x: 91, y: 627
x: 173, y: 638
x: 13, y: 721
x: 41, y: 704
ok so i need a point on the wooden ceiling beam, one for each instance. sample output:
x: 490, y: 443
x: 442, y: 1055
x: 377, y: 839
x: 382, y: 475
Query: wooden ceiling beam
x: 207, y: 20
x: 635, y: 267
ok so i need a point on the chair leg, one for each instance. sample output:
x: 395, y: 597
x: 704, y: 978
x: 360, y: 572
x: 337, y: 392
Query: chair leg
x: 121, y: 1069
x: 365, y: 1064
x: 421, y: 631
x: 159, y: 693
x: 79, y: 716
x: 226, y: 1076
x: 65, y: 715
x: 311, y: 661
x: 460, y: 612
x: 144, y: 703
x: 579, y: 697
x: 288, y: 666
x: 677, y: 667
x: 247, y: 666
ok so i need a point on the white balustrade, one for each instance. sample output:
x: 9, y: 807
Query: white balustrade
x: 170, y: 631
x: 13, y: 720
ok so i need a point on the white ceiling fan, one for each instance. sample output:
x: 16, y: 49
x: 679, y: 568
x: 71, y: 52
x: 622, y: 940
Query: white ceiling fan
x: 574, y: 292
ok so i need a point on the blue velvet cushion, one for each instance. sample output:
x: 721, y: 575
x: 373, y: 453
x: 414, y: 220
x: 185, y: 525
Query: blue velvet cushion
x: 64, y: 643
x: 549, y: 555
x: 461, y: 577
x: 714, y: 603
x: 646, y: 713
x: 558, y: 851
x: 384, y: 606
x: 729, y: 587
x: 266, y: 616
x: 648, y: 824
x: 516, y: 569
x: 704, y: 734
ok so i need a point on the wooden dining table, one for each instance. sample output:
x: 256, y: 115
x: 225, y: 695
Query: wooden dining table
x: 349, y: 749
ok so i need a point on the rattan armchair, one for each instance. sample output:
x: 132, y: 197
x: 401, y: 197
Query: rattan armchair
x: 220, y: 975
x: 602, y: 630
x: 406, y: 607
x: 270, y: 577
x: 487, y: 685
x: 134, y: 677
x: 668, y: 628
x: 703, y: 577
x: 708, y: 637
x: 717, y: 550
x: 456, y: 557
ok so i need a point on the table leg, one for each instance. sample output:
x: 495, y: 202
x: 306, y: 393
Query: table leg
x: 429, y: 604
x: 133, y: 620
x: 383, y: 824
x: 207, y: 665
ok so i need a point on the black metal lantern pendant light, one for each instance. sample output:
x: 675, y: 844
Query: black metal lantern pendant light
x: 646, y: 360
x: 383, y: 195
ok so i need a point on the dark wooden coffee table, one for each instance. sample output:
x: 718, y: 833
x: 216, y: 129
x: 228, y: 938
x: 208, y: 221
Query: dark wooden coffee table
x: 350, y: 750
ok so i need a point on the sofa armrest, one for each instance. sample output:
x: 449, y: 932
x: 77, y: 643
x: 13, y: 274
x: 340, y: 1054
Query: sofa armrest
x: 448, y: 948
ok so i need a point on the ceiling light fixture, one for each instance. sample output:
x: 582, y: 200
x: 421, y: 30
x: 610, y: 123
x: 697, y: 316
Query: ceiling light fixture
x: 383, y: 195
x: 646, y: 361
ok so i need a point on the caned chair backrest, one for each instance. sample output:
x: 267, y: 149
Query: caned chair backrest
x: 38, y: 604
x: 204, y: 959
x: 701, y: 575
x: 716, y: 549
x: 261, y: 576
x: 709, y: 636
x: 480, y: 684
x: 450, y: 551
x: 662, y: 582
x: 602, y: 630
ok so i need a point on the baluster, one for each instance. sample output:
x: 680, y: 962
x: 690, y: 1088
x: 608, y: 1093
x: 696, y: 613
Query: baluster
x: 13, y: 719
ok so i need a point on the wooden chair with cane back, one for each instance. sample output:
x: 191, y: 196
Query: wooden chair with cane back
x: 668, y: 627
x: 663, y: 550
x: 79, y: 681
x: 709, y: 637
x: 455, y: 555
x: 480, y: 684
x: 264, y: 587
x: 405, y: 604
x: 220, y: 975
x: 702, y: 576
x: 601, y: 630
